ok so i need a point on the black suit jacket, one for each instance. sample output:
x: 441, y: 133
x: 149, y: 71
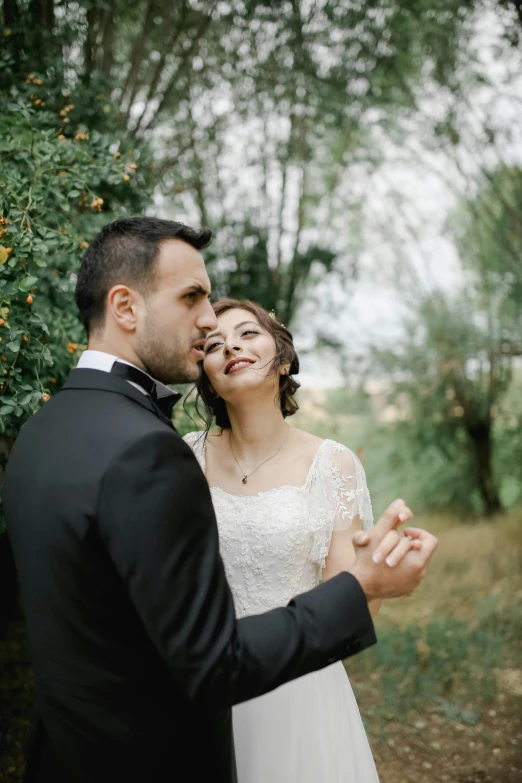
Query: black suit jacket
x: 137, y: 653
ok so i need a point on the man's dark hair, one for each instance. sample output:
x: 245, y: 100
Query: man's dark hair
x: 125, y: 252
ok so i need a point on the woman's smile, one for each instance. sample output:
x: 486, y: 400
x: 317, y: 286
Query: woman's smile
x: 239, y: 363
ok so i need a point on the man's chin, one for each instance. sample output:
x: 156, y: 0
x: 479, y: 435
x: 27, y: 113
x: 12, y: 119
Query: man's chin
x: 188, y: 374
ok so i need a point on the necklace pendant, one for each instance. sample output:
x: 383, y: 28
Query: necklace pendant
x: 245, y: 480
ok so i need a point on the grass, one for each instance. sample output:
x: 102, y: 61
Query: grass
x: 441, y: 693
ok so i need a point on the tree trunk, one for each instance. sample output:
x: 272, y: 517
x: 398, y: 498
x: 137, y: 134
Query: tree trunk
x: 88, y: 51
x: 14, y: 41
x: 480, y: 434
x: 42, y: 42
x: 11, y: 14
x: 107, y: 44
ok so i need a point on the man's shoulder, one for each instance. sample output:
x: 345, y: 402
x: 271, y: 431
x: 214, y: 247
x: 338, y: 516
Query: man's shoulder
x: 91, y: 431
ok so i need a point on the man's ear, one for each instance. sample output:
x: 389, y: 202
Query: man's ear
x: 123, y: 305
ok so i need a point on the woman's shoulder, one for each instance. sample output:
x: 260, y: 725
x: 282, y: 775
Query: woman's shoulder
x: 328, y: 452
x: 308, y: 441
x: 199, y: 439
x: 195, y: 437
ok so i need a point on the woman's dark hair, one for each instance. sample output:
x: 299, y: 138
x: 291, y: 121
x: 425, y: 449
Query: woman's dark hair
x: 212, y: 409
x: 125, y: 251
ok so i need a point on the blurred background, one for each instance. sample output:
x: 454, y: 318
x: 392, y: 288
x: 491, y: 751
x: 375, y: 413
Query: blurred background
x: 360, y: 164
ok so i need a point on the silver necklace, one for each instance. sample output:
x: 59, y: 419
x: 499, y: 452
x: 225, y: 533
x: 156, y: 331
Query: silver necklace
x: 246, y: 476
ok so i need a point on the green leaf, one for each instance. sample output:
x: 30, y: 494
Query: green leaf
x: 13, y: 346
x: 5, y: 410
x: 36, y: 398
x: 27, y: 283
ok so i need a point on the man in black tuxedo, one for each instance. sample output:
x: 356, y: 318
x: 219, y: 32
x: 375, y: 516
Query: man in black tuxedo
x: 137, y: 653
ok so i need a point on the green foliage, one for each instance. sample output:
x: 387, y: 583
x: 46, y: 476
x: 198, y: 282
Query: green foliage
x: 447, y: 663
x: 65, y: 172
x: 57, y: 187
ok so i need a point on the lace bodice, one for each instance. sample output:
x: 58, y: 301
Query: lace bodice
x: 274, y: 544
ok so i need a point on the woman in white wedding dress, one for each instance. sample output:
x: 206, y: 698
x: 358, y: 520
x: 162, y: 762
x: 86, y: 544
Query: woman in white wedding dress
x: 287, y: 505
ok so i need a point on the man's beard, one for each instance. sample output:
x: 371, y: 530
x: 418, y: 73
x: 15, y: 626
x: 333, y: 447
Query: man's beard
x: 167, y: 361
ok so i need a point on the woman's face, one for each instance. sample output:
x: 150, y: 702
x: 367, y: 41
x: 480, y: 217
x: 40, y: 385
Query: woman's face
x: 239, y: 356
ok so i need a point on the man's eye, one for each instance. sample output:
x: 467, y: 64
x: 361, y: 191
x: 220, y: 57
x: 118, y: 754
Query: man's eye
x: 192, y: 295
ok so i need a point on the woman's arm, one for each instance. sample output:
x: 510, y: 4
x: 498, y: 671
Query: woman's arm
x: 341, y: 556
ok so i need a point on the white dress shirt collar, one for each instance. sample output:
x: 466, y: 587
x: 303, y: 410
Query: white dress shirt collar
x: 99, y: 360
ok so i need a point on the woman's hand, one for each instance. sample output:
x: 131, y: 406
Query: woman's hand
x: 405, y: 555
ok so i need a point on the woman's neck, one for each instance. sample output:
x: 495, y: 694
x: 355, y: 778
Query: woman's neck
x: 255, y: 430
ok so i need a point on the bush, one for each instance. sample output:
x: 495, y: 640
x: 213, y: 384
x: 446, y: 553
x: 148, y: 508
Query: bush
x: 60, y: 181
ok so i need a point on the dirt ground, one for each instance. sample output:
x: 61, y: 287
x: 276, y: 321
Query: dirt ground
x: 435, y: 751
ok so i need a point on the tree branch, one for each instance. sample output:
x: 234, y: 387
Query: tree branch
x: 130, y: 85
x: 160, y: 67
x: 175, y: 76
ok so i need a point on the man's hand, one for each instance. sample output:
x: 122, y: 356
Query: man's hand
x: 387, y: 563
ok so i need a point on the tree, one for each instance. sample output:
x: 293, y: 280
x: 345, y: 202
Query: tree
x: 456, y: 364
x: 255, y: 112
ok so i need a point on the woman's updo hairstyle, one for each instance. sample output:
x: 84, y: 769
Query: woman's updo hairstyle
x: 214, y: 408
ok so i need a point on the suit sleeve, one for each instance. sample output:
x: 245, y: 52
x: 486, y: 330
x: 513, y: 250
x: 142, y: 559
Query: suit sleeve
x: 156, y: 517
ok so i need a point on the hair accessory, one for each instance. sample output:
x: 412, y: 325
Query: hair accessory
x: 274, y: 317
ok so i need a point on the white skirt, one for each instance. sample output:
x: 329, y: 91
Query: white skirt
x: 307, y: 731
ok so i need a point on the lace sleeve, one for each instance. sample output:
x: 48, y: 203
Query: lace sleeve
x: 196, y: 441
x: 339, y: 495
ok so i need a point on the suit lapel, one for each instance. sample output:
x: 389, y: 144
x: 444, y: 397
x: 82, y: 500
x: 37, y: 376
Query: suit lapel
x: 97, y: 380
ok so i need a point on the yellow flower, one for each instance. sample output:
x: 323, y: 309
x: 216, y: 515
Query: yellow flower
x: 4, y: 255
x: 126, y: 177
x: 133, y: 166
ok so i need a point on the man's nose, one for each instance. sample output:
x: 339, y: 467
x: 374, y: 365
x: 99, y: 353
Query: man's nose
x: 207, y: 321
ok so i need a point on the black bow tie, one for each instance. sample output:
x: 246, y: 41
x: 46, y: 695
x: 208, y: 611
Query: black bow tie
x: 165, y: 403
